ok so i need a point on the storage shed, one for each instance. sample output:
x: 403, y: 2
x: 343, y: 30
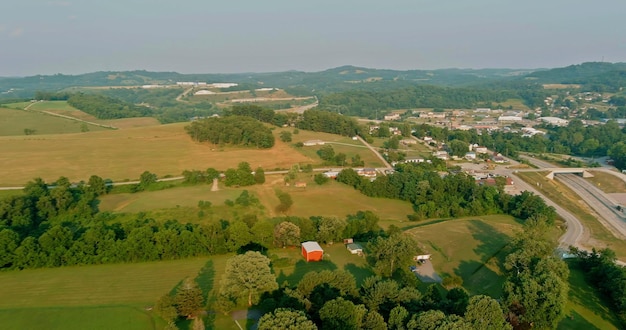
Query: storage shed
x: 354, y: 248
x: 312, y: 251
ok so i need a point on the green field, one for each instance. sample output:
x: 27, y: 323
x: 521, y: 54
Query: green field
x: 472, y: 248
x: 585, y: 308
x: 338, y: 200
x: 92, y: 297
x: 14, y: 122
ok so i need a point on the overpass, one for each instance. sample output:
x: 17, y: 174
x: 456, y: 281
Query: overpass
x: 559, y: 170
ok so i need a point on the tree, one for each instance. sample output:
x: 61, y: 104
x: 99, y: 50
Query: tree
x: 247, y: 276
x: 286, y: 234
x: 320, y: 178
x: 97, y: 185
x: 188, y: 298
x: 393, y: 252
x: 484, y: 312
x: 146, y: 179
x: 397, y: 318
x: 286, y: 319
x: 285, y: 201
x: 263, y: 233
x: 342, y: 314
x: 326, y: 153
x: 330, y: 229
x: 166, y: 308
x: 259, y: 175
x: 238, y: 235
x: 285, y: 136
x: 458, y: 147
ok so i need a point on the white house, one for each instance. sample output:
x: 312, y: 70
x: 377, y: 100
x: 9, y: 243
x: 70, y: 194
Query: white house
x: 470, y: 155
x: 509, y: 119
x: 394, y: 116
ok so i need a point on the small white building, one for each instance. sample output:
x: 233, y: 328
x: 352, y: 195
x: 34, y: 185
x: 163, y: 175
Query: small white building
x: 354, y: 248
x: 554, y: 121
x: 310, y: 143
x: 470, y: 155
x: 394, y: 116
x: 509, y: 119
x: 203, y: 92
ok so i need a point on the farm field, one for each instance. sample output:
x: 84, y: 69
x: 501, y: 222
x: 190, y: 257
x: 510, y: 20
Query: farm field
x: 14, y: 122
x: 472, y: 248
x: 600, y: 236
x: 338, y: 200
x: 125, y: 154
x: 92, y: 297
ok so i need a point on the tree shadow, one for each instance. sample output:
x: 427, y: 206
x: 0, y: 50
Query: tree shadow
x: 491, y: 250
x: 302, y: 267
x: 492, y: 242
x: 359, y: 273
x: 206, y: 280
x: 573, y: 320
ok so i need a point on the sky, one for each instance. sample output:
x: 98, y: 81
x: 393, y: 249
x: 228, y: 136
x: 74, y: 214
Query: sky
x: 233, y: 36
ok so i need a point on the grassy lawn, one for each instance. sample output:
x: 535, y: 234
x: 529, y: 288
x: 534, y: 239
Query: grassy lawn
x: 600, y: 236
x: 607, y: 182
x: 585, y: 308
x: 104, y: 318
x: 472, y: 248
x: 125, y: 154
x: 517, y: 104
x: 97, y: 297
x: 14, y: 122
x: 290, y: 266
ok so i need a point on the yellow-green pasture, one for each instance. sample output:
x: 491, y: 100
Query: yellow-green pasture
x: 330, y: 200
x: 125, y: 154
x: 15, y: 122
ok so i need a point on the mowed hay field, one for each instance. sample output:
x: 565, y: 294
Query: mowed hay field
x: 62, y: 108
x: 472, y: 248
x: 330, y: 200
x: 125, y: 154
x: 13, y: 122
x: 93, y: 297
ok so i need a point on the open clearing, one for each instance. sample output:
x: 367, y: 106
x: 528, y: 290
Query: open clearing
x: 13, y: 122
x: 330, y: 200
x: 472, y: 248
x: 125, y: 154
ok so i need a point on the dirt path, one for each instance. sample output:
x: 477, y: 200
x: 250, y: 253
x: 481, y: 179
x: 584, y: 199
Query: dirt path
x: 215, y: 186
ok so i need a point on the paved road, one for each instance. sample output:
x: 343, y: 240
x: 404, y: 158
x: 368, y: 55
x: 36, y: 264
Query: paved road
x: 382, y: 159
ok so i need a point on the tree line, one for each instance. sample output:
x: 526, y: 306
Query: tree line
x: 103, y: 107
x: 233, y: 130
x: 450, y: 195
x: 367, y: 103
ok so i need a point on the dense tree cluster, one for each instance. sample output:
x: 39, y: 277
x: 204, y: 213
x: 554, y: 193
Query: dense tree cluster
x: 103, y: 107
x: 259, y: 113
x: 328, y: 122
x: 234, y: 130
x: 536, y: 288
x: 450, y: 195
x: 332, y: 300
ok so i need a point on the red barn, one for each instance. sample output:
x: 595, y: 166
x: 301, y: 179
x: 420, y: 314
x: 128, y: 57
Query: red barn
x: 312, y: 251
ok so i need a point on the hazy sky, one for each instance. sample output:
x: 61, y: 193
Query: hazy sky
x: 208, y: 36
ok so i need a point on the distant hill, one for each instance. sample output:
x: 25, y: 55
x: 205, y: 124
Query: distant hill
x: 595, y: 76
x: 332, y: 80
